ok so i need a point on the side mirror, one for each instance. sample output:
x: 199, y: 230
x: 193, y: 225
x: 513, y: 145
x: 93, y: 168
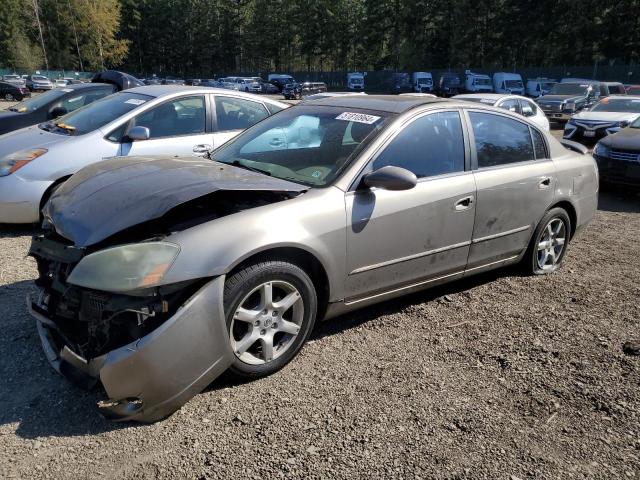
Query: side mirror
x: 390, y: 178
x: 57, y: 112
x: 138, y: 133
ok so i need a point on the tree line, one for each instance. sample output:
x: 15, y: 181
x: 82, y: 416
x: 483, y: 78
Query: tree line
x: 204, y: 37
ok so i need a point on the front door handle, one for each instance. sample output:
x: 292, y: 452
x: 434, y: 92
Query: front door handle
x: 464, y: 203
x: 544, y: 183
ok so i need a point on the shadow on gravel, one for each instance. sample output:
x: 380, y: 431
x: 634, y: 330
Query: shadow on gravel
x: 10, y: 231
x: 622, y: 200
x: 32, y: 394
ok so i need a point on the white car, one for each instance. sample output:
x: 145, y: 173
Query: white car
x: 514, y: 103
x: 608, y: 116
x: 150, y: 120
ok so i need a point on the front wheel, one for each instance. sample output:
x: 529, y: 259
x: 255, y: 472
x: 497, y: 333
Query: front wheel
x: 270, y: 309
x: 549, y: 243
x: 9, y: 97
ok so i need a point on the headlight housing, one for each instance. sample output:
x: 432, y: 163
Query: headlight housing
x: 571, y: 106
x: 17, y: 160
x: 601, y: 150
x: 125, y: 268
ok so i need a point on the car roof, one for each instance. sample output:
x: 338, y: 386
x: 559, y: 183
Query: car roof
x: 82, y: 86
x: 159, y: 91
x: 621, y: 97
x: 383, y: 103
x: 488, y: 96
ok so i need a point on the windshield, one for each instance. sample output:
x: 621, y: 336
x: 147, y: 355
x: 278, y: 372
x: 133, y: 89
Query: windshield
x: 513, y: 83
x: 569, y: 89
x: 636, y: 123
x: 481, y: 81
x: 617, y: 105
x: 424, y: 81
x: 35, y: 103
x: 39, y: 78
x: 356, y: 80
x: 97, y: 114
x: 307, y: 144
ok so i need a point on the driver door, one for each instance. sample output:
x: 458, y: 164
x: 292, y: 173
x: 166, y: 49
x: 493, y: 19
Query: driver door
x: 398, y: 239
x: 176, y: 127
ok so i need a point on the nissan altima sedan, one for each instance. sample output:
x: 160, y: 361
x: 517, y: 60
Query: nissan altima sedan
x: 148, y: 120
x: 159, y: 273
x: 514, y: 103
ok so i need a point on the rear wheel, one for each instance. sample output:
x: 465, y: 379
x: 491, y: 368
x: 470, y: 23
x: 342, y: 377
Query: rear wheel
x: 9, y: 97
x: 549, y: 243
x: 270, y: 309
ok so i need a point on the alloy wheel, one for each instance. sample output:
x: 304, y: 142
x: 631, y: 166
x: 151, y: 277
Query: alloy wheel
x: 266, y: 322
x: 551, y: 244
x: 9, y: 97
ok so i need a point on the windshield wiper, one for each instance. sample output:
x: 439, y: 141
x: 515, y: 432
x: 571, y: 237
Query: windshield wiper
x: 238, y: 163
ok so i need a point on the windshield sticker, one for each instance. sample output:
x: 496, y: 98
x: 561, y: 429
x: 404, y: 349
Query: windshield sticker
x: 135, y: 101
x: 67, y: 90
x: 358, y: 117
x: 75, y: 99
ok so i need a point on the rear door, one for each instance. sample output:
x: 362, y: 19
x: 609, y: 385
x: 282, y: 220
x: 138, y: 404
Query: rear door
x: 233, y: 115
x: 515, y: 182
x: 176, y: 127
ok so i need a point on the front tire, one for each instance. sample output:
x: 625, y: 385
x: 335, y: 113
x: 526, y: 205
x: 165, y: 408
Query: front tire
x: 9, y: 97
x: 549, y: 243
x: 270, y: 310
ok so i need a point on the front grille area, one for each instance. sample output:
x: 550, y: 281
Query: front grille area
x: 551, y: 107
x: 625, y: 156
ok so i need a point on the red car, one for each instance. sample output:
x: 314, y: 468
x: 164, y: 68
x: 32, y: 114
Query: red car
x: 633, y: 89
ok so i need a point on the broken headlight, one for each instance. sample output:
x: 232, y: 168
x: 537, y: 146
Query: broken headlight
x: 125, y: 268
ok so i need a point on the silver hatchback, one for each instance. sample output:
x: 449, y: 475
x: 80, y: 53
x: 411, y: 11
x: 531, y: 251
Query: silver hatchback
x: 158, y: 274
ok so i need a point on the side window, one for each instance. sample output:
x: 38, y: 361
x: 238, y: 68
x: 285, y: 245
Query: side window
x: 539, y: 145
x: 500, y: 140
x: 528, y: 108
x: 511, y: 105
x: 185, y: 116
x: 84, y: 98
x: 238, y: 113
x: 430, y: 145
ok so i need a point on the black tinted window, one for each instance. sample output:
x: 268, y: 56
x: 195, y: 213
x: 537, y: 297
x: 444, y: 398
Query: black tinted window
x: 430, y: 145
x: 539, y: 144
x: 500, y: 140
x: 238, y: 113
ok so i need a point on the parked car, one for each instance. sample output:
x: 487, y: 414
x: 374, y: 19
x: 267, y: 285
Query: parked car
x: 194, y: 82
x: 608, y: 116
x: 449, y: 84
x: 633, y: 89
x: 292, y: 91
x: 279, y: 80
x: 38, y: 83
x: 565, y: 99
x: 477, y: 82
x: 60, y: 83
x: 73, y: 81
x: 226, y: 264
x: 249, y: 85
x: 510, y: 83
x: 148, y: 120
x: 15, y: 79
x: 400, y: 82
x: 152, y: 81
x: 514, y: 103
x: 11, y: 92
x: 537, y: 87
x: 355, y: 81
x: 51, y: 105
x: 618, y: 156
x: 422, y: 82
x: 269, y: 88
x: 168, y: 80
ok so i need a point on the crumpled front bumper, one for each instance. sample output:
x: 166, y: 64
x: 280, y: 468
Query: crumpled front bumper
x: 149, y: 379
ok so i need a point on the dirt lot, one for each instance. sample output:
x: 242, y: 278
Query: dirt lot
x: 501, y: 377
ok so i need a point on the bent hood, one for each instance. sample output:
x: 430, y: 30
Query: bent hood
x: 110, y: 196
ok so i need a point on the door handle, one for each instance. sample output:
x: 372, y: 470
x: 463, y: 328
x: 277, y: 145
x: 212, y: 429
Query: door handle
x: 544, y: 183
x: 463, y: 203
x: 202, y: 148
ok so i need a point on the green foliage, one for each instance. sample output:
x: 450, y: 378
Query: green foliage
x: 203, y: 37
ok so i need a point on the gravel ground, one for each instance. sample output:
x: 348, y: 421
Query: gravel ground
x: 501, y: 377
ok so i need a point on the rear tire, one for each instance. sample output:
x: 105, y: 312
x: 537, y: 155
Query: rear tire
x: 549, y: 243
x: 9, y: 97
x: 270, y: 309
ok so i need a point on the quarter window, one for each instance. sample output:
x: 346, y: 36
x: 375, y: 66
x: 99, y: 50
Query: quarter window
x: 538, y: 144
x: 185, y: 116
x: 500, y: 140
x: 430, y: 145
x: 511, y: 105
x: 528, y: 108
x: 238, y: 113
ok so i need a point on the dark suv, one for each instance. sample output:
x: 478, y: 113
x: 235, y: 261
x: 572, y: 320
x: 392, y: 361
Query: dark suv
x: 449, y: 84
x: 296, y: 91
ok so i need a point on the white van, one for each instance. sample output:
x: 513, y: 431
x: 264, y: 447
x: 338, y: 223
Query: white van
x: 477, y: 82
x: 508, y: 83
x: 536, y: 87
x: 355, y: 81
x: 422, y: 82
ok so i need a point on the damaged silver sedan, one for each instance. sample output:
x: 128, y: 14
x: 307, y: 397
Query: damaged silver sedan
x: 159, y: 274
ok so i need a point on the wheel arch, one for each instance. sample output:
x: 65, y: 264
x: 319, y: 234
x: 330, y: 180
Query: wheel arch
x: 47, y: 192
x: 568, y: 207
x: 300, y: 257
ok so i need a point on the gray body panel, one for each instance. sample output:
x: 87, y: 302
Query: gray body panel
x: 372, y: 244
